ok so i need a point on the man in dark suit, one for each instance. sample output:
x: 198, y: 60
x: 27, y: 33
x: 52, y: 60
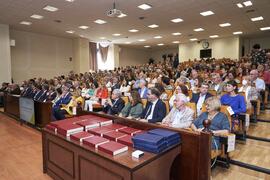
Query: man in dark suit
x: 38, y: 92
x: 115, y: 84
x: 114, y: 105
x: 3, y: 90
x: 155, y: 109
x: 199, y: 98
x: 44, y: 95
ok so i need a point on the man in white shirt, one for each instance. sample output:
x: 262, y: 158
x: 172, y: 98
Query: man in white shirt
x: 259, y: 83
x: 180, y: 116
x: 218, y: 85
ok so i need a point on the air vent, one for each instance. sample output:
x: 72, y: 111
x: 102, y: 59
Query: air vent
x: 57, y: 21
x: 250, y: 11
x: 141, y: 18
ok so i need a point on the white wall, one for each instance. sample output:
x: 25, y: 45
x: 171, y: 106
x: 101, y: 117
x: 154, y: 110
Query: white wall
x: 225, y: 47
x: 131, y: 56
x: 157, y: 54
x: 39, y: 55
x: 249, y: 42
x: 5, y: 60
x: 81, y: 55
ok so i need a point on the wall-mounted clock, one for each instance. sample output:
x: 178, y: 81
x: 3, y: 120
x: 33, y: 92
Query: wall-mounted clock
x: 205, y: 44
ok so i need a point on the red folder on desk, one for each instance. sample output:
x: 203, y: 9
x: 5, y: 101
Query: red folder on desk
x: 126, y: 140
x: 115, y: 127
x: 95, y: 141
x: 114, y: 135
x: 130, y: 131
x: 100, y: 131
x: 51, y: 128
x: 80, y: 136
x: 88, y: 124
x: 67, y: 129
x: 113, y: 148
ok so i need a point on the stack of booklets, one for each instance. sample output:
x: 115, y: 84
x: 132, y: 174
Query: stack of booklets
x: 149, y: 142
x: 68, y: 129
x: 171, y: 138
x: 129, y: 131
x: 156, y: 140
x: 95, y: 141
x: 100, y: 131
x: 113, y: 148
x: 88, y: 124
x: 80, y: 136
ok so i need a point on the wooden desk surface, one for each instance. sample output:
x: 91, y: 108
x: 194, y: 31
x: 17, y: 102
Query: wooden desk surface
x: 124, y: 159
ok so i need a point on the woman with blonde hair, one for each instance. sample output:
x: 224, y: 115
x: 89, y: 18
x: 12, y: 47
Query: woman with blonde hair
x: 219, y: 121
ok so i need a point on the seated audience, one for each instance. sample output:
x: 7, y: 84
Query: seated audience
x: 180, y: 115
x: 219, y: 121
x: 155, y: 109
x: 114, y: 105
x: 163, y: 94
x: 134, y: 107
x: 200, y: 97
x: 217, y: 85
x: 236, y: 101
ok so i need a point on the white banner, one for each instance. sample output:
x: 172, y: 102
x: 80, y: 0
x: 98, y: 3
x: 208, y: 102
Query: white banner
x: 27, y: 110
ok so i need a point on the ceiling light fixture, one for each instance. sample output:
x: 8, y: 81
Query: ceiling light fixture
x: 247, y: 3
x: 141, y: 40
x: 153, y: 26
x: 145, y: 6
x: 239, y: 5
x: 70, y: 31
x: 122, y: 15
x: 176, y: 42
x: 177, y: 20
x: 147, y: 46
x: 214, y: 36
x: 26, y: 23
x: 102, y: 38
x: 36, y: 16
x: 238, y: 32
x: 83, y: 27
x: 127, y: 42
x: 199, y: 29
x: 176, y: 34
x: 225, y: 25
x: 158, y: 37
x: 133, y: 30
x: 265, y: 28
x: 116, y: 34
x: 207, y: 13
x: 260, y: 18
x: 161, y: 44
x: 50, y: 8
x: 100, y: 21
x: 193, y: 39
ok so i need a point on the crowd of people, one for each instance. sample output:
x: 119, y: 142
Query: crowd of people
x: 157, y: 83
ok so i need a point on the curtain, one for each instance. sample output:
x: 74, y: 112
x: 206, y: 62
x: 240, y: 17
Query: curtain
x: 93, y: 54
x: 103, y: 49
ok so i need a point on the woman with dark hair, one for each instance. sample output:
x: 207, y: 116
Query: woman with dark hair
x: 163, y: 94
x: 179, y: 89
x: 134, y: 108
x: 236, y: 101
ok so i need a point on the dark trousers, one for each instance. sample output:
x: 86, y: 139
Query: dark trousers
x: 58, y: 114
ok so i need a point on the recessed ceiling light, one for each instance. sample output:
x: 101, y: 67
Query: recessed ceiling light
x: 122, y: 15
x: 116, y: 34
x: 153, y: 26
x: 145, y: 6
x: 265, y: 28
x: 257, y: 18
x: 175, y: 42
x: 194, y: 39
x: 214, y: 36
x: 207, y: 13
x: 127, y: 42
x: 158, y: 37
x: 225, y: 25
x: 100, y: 21
x: 70, y: 32
x: 70, y: 0
x: 247, y: 3
x: 36, y: 16
x: 26, y: 23
x: 176, y: 34
x: 147, y: 46
x: 199, y: 29
x: 102, y: 38
x: 161, y: 44
x: 177, y: 20
x: 239, y: 5
x: 141, y: 40
x: 82, y: 36
x: 83, y: 27
x: 238, y: 32
x: 133, y: 30
x: 50, y: 8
